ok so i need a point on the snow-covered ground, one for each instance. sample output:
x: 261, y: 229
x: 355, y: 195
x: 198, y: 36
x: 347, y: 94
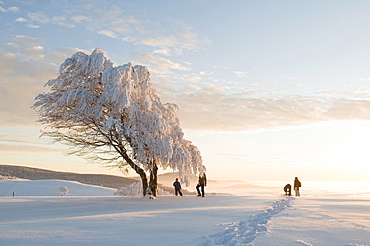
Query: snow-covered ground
x: 258, y: 215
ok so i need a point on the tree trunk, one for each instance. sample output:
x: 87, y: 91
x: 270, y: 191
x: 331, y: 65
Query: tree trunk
x: 138, y: 170
x: 153, y: 182
x: 144, y: 181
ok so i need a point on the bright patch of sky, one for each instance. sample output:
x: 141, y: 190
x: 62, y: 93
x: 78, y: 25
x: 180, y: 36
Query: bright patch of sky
x: 273, y: 68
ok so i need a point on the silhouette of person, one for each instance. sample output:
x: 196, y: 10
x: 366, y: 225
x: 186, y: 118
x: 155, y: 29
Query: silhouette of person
x: 202, y: 181
x: 288, y: 190
x: 297, y: 185
x: 177, y: 186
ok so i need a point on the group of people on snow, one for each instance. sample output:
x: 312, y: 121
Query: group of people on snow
x: 288, y: 188
x: 202, y: 182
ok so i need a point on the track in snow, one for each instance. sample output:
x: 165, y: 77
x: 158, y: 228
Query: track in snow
x: 245, y: 231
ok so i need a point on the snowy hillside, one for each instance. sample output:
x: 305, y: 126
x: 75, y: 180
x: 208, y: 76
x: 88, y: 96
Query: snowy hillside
x: 40, y: 174
x: 91, y: 215
x: 23, y: 187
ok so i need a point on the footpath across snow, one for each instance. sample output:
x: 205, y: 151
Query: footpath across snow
x: 103, y: 219
x: 245, y: 231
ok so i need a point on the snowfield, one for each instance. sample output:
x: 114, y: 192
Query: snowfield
x: 92, y: 215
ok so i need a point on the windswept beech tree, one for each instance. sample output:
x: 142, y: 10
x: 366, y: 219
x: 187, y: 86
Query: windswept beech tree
x: 112, y: 115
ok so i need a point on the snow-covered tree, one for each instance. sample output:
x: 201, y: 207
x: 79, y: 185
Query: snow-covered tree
x: 112, y: 115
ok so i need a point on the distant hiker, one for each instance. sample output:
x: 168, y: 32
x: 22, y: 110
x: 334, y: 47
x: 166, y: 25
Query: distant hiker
x: 297, y: 184
x: 177, y: 186
x: 288, y: 190
x: 202, y: 181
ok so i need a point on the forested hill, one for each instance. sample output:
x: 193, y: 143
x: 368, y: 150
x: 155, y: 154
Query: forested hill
x: 110, y: 181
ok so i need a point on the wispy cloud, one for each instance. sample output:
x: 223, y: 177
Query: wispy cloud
x: 21, y: 19
x: 10, y: 9
x: 14, y: 9
x: 61, y: 21
x: 39, y: 17
x: 170, y: 40
x: 159, y: 65
x: 107, y: 33
x: 240, y: 74
x: 172, y: 44
x: 211, y: 109
x: 268, y: 159
x: 14, y: 144
x: 79, y: 18
x: 42, y: 18
x: 119, y: 24
x: 25, y: 67
x: 33, y: 26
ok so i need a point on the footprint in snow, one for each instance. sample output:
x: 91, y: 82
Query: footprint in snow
x: 245, y: 231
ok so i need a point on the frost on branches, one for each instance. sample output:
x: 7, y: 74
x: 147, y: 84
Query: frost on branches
x: 112, y: 115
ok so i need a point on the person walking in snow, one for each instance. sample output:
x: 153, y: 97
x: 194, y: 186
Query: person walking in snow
x: 202, y: 181
x: 177, y: 186
x: 297, y: 185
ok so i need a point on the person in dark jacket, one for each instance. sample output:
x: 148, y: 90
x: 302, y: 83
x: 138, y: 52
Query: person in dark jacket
x: 202, y: 181
x: 297, y: 185
x: 288, y: 190
x: 177, y: 186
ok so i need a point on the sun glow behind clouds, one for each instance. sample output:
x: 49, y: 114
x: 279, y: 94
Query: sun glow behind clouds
x: 331, y: 151
x: 351, y: 145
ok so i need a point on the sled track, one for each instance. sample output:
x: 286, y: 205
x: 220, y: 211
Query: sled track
x: 245, y: 231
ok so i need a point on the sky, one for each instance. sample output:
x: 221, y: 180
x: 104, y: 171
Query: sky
x: 267, y: 90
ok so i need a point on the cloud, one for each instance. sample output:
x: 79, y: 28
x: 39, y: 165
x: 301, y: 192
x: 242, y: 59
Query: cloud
x: 211, y: 108
x: 205, y: 106
x: 20, y: 82
x: 10, y: 9
x: 61, y: 21
x: 159, y: 41
x: 172, y: 44
x: 21, y: 19
x: 183, y: 39
x: 25, y: 67
x: 26, y: 47
x: 168, y: 39
x: 26, y: 143
x: 268, y: 159
x: 26, y: 148
x: 14, y: 9
x: 39, y: 17
x: 164, y: 51
x: 107, y: 33
x: 33, y: 26
x: 240, y: 74
x: 165, y: 40
x: 159, y: 65
x: 79, y: 18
